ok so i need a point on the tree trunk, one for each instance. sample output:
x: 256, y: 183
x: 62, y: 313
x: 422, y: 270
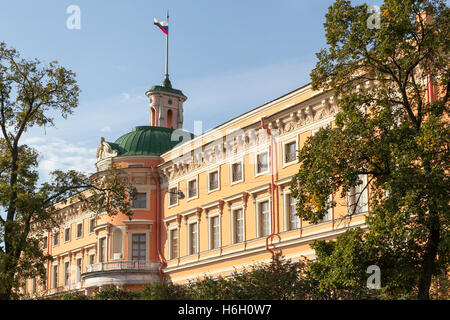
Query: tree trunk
x: 429, y: 257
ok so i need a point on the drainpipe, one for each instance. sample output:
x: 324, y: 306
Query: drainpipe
x: 158, y: 222
x: 273, y: 188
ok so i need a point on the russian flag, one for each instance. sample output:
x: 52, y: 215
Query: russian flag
x: 163, y: 25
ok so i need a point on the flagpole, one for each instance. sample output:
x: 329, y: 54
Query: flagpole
x: 167, y: 49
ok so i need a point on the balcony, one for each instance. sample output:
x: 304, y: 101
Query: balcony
x: 120, y: 273
x: 122, y: 265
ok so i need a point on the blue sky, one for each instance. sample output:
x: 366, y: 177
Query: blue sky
x: 226, y: 56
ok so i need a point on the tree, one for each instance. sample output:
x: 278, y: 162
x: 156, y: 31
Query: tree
x: 30, y: 95
x: 392, y: 87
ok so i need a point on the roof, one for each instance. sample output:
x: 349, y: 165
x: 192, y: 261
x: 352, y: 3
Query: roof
x: 166, y: 89
x: 145, y: 140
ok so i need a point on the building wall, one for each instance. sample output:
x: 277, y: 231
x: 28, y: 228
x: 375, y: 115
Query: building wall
x: 291, y: 118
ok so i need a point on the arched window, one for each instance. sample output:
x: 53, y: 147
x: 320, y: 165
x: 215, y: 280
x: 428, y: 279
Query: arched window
x: 153, y: 117
x: 169, y: 119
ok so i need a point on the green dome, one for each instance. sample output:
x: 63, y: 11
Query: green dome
x: 145, y: 140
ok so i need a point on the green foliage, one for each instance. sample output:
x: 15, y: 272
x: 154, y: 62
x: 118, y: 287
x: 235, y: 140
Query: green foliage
x: 73, y: 295
x: 278, y: 280
x: 388, y: 130
x: 112, y: 293
x: 31, y: 94
x: 164, y: 291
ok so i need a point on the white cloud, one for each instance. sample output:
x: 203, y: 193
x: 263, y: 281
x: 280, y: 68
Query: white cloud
x: 105, y: 129
x: 56, y: 153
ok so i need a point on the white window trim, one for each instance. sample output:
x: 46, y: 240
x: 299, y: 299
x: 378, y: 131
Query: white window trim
x: 210, y: 226
x: 241, y: 161
x: 187, y: 189
x: 257, y: 174
x: 70, y: 234
x: 233, y: 224
x: 188, y: 225
x: 89, y: 226
x: 330, y: 212
x: 258, y: 216
x: 283, y: 152
x: 365, y: 206
x: 169, y: 194
x: 286, y: 212
x: 207, y: 179
x: 169, y: 230
x: 105, y: 256
x: 82, y: 230
x: 53, y: 238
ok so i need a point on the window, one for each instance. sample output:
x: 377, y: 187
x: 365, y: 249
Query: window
x: 236, y: 172
x: 193, y: 239
x: 238, y: 217
x: 213, y: 180
x: 55, y: 276
x: 290, y: 152
x: 294, y: 219
x: 264, y: 218
x: 140, y: 201
x: 358, y: 197
x: 174, y: 243
x: 66, y: 273
x: 262, y: 162
x: 91, y: 225
x: 192, y: 189
x: 116, y: 243
x: 92, y: 259
x: 44, y: 281
x: 139, y: 246
x: 56, y: 238
x: 67, y: 234
x: 79, y: 230
x: 101, y: 250
x: 79, y: 266
x: 34, y: 285
x: 44, y: 242
x: 173, y: 196
x: 215, y: 232
x: 329, y: 215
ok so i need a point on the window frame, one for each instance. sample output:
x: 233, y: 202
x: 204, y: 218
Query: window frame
x: 259, y: 220
x: 171, y: 243
x: 234, y: 224
x: 92, y: 225
x: 241, y: 162
x: 169, y: 205
x: 284, y: 145
x: 139, y: 242
x: 55, y: 236
x: 211, y: 227
x: 208, y: 179
x: 257, y: 154
x: 65, y: 233
x: 138, y: 201
x: 190, y: 237
x: 288, y: 215
x: 189, y: 197
x: 82, y: 230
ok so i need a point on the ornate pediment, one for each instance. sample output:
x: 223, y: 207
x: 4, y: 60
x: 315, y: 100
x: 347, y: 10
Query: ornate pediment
x: 104, y: 150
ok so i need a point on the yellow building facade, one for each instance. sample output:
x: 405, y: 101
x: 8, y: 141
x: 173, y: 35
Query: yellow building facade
x: 210, y: 205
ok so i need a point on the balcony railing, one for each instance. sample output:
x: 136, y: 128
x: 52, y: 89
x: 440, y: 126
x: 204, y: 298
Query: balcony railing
x: 123, y: 265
